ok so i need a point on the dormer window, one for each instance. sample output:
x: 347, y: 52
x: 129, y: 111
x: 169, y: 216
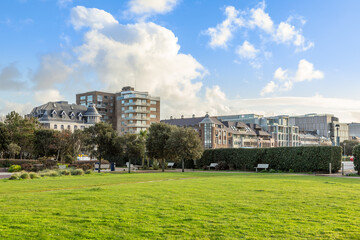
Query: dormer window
x: 63, y: 114
x: 80, y: 116
x: 53, y: 113
x: 72, y: 115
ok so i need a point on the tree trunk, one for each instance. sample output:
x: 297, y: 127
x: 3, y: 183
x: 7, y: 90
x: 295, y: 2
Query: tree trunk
x: 129, y: 166
x: 163, y: 165
x: 143, y: 162
x: 183, y: 165
x: 99, y: 170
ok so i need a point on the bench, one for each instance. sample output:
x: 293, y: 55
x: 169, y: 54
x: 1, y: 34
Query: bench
x: 262, y: 165
x: 170, y: 164
x: 102, y: 167
x: 131, y: 166
x: 213, y: 165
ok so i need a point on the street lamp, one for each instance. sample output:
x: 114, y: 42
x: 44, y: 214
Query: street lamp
x: 337, y: 126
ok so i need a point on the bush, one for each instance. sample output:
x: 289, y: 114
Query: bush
x: 8, y: 162
x: 69, y: 159
x: 14, y: 168
x: 65, y: 172
x: 77, y: 172
x: 356, y: 153
x: 49, y: 173
x: 25, y: 175
x: 48, y: 163
x: 222, y: 166
x: 155, y: 165
x: 89, y: 171
x: 272, y: 171
x: 14, y: 177
x: 34, y: 175
x: 299, y: 159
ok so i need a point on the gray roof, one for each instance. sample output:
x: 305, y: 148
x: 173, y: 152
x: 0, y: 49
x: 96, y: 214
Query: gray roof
x: 59, y: 111
x: 184, y: 122
x: 91, y: 111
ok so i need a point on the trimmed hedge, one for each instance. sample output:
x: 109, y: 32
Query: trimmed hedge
x: 356, y: 153
x: 8, y: 162
x: 298, y: 159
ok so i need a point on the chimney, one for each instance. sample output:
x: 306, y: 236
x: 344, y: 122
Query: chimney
x: 182, y: 116
x: 193, y: 115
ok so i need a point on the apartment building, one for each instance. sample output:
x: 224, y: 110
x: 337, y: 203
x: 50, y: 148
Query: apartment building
x: 135, y: 110
x: 354, y: 129
x: 282, y: 132
x: 64, y: 116
x: 104, y: 103
x: 128, y: 111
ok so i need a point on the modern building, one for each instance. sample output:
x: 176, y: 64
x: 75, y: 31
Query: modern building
x: 282, y: 132
x: 104, y: 102
x: 223, y: 134
x: 324, y: 125
x: 64, y: 116
x: 128, y: 111
x: 354, y: 129
x: 135, y: 110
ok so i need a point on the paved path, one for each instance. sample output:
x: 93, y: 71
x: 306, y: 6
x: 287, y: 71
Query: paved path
x: 5, y: 174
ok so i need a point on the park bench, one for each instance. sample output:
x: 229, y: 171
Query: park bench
x: 262, y: 165
x: 212, y: 165
x: 170, y: 164
x: 103, y: 166
x: 131, y: 166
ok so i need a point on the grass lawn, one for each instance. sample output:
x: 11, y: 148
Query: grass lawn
x: 181, y: 206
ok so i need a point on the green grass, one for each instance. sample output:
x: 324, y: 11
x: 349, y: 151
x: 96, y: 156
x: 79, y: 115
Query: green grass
x: 180, y: 206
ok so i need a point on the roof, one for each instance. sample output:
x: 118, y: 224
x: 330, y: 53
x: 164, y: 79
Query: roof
x: 91, y: 111
x: 183, y: 122
x: 58, y: 111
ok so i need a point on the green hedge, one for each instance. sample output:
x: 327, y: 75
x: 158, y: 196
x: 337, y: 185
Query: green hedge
x: 299, y: 159
x: 5, y: 163
x: 356, y: 153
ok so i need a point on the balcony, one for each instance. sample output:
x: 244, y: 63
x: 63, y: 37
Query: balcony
x: 137, y: 118
x: 137, y: 125
x: 136, y: 111
x: 100, y: 106
x: 138, y: 103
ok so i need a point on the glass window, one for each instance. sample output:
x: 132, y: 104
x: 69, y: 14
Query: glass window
x: 152, y: 102
x: 82, y: 97
x: 106, y: 97
x: 69, y: 127
x: 99, y: 98
x: 75, y: 127
x: 62, y: 126
x: 90, y: 98
x: 130, y: 115
x: 152, y: 116
x: 55, y: 126
x: 131, y: 108
x: 153, y: 109
x: 130, y: 100
x: 111, y: 110
x: 122, y: 101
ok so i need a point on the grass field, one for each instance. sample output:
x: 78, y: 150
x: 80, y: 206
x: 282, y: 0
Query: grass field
x: 181, y: 206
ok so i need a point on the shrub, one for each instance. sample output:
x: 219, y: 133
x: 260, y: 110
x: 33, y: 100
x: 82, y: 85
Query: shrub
x: 8, y: 162
x: 64, y: 172
x: 49, y: 173
x: 83, y: 166
x: 356, y: 153
x: 25, y: 175
x: 69, y: 159
x: 14, y: 168
x: 48, y: 163
x: 155, y: 165
x: 222, y: 166
x: 272, y: 171
x: 299, y: 159
x: 291, y: 171
x: 14, y: 177
x: 34, y: 175
x: 27, y: 167
x: 89, y: 171
x: 77, y: 172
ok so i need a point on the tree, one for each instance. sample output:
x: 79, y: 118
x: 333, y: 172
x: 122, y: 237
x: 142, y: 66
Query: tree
x: 159, y: 133
x: 356, y: 153
x: 349, y: 145
x: 184, y: 144
x: 4, y: 139
x: 44, y: 144
x: 134, y: 147
x: 14, y: 149
x: 100, y: 140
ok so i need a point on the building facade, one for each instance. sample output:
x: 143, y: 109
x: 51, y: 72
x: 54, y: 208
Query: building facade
x: 128, y: 111
x: 354, y: 130
x: 135, y: 110
x: 64, y: 116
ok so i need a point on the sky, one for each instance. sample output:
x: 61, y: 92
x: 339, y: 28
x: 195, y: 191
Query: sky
x: 222, y: 57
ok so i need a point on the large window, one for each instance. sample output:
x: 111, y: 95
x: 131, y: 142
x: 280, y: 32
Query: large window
x: 207, y: 135
x: 152, y: 102
x: 90, y: 98
x: 99, y: 98
x: 152, y: 116
x: 153, y: 109
x: 82, y: 97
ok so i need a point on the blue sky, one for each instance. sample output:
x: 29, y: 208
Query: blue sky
x: 222, y: 57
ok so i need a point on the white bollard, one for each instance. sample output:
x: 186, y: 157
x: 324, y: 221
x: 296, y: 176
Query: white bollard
x: 330, y: 168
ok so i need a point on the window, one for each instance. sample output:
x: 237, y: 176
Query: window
x: 62, y: 127
x: 131, y: 108
x: 122, y: 101
x: 130, y: 100
x: 75, y: 127
x: 130, y: 115
x: 153, y: 109
x: 55, y: 126
x: 111, y: 110
x: 111, y: 104
x: 90, y: 98
x: 122, y: 109
x: 82, y: 97
x: 69, y: 127
x: 111, y: 97
x: 152, y: 116
x: 99, y: 98
x: 82, y: 127
x: 123, y: 115
x: 152, y: 102
x: 83, y: 103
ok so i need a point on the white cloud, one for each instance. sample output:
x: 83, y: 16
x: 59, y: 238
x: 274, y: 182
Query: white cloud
x: 259, y: 18
x: 305, y: 72
x: 269, y: 88
x: 222, y: 33
x: 10, y: 78
x: 247, y: 50
x: 21, y: 108
x: 140, y: 7
x: 64, y: 3
x: 90, y: 17
x: 49, y: 95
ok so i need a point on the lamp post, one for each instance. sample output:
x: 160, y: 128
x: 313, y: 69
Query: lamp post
x: 344, y: 148
x: 337, y: 126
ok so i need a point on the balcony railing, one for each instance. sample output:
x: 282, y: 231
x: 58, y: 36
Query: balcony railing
x: 137, y: 103
x: 136, y: 111
x: 137, y: 118
x: 137, y: 125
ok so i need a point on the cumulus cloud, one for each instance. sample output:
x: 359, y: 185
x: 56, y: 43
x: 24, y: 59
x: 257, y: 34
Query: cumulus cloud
x: 286, y: 33
x: 285, y: 82
x: 10, y: 78
x: 90, y: 17
x: 64, y: 3
x: 247, y: 50
x: 145, y: 7
x: 259, y: 18
x: 21, y: 108
x: 222, y: 33
x: 48, y: 95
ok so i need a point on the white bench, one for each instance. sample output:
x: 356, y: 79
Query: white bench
x: 264, y: 166
x: 103, y: 166
x: 131, y: 166
x: 213, y: 165
x: 170, y: 164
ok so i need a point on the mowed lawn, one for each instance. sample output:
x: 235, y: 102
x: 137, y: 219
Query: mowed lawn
x: 181, y: 206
